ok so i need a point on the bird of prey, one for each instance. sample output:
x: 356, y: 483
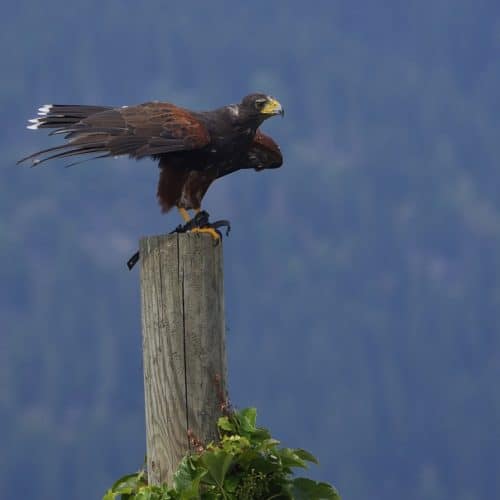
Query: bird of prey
x: 193, y: 148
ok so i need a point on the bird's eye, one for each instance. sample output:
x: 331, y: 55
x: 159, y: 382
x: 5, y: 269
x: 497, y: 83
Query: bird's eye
x: 259, y: 103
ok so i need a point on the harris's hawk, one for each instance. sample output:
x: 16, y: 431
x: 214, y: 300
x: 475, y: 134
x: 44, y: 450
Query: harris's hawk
x: 192, y: 148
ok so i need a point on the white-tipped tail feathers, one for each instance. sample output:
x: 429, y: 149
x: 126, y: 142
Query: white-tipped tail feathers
x: 43, y: 111
x: 34, y: 123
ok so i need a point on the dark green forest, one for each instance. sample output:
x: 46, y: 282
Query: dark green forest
x: 362, y: 278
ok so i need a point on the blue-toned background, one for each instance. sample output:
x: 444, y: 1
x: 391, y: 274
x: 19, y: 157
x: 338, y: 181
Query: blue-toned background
x: 362, y: 278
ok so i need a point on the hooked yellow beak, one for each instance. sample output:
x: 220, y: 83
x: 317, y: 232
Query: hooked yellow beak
x: 272, y: 107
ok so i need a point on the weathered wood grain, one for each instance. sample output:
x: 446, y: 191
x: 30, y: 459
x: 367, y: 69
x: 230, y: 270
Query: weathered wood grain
x: 183, y: 333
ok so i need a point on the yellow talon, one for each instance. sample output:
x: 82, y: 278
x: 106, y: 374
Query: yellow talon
x: 210, y: 230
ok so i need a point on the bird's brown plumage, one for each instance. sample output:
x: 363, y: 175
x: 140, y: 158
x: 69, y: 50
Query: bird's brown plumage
x: 193, y: 148
x: 185, y: 188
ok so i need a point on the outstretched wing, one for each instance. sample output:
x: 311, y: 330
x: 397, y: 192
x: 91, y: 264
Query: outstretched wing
x: 264, y: 153
x: 148, y: 129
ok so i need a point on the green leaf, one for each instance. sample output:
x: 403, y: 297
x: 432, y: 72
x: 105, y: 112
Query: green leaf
x: 217, y: 463
x: 306, y: 489
x: 129, y: 484
x: 187, y: 479
x: 260, y: 435
x: 305, y: 455
x: 183, y: 477
x: 193, y: 491
x: 226, y: 425
x: 231, y: 483
x: 248, y: 418
x: 144, y: 495
x: 153, y: 493
x: 291, y: 459
x: 269, y: 443
x: 259, y: 463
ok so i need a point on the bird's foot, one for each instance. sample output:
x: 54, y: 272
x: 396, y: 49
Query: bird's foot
x: 209, y: 230
x: 200, y: 224
x: 198, y: 221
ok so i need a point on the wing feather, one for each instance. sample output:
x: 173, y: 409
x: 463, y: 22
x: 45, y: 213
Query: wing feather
x: 264, y: 153
x: 149, y: 129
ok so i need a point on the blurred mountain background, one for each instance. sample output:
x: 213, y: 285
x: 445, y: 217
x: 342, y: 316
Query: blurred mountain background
x: 362, y: 278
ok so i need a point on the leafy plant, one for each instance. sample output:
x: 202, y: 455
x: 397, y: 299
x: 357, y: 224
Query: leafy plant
x: 246, y: 464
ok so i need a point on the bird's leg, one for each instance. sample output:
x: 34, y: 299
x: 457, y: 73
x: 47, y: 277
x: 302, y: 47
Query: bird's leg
x: 189, y: 223
x: 184, y: 214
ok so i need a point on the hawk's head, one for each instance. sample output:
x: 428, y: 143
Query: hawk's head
x: 259, y: 107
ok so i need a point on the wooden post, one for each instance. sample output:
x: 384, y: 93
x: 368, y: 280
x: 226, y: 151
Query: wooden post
x: 183, y: 336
